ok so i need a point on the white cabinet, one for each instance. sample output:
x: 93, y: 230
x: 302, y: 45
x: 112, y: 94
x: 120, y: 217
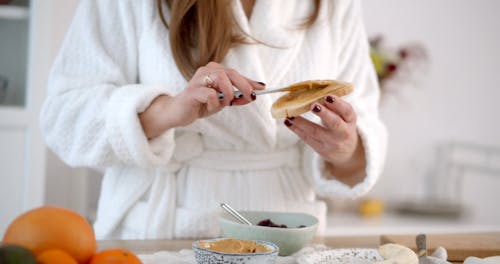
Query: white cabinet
x: 14, y: 25
x: 30, y: 35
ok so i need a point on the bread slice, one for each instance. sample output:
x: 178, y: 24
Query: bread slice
x: 303, y: 94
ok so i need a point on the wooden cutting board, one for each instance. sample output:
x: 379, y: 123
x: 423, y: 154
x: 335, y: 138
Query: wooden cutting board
x: 459, y: 246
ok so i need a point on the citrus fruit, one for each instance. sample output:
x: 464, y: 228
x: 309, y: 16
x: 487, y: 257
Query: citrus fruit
x: 55, y: 256
x: 50, y: 227
x: 371, y: 207
x: 115, y: 256
x: 12, y: 254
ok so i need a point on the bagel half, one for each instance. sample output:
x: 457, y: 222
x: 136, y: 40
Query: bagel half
x: 303, y: 94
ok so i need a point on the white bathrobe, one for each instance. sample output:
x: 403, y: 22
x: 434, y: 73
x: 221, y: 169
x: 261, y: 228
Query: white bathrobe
x: 116, y: 59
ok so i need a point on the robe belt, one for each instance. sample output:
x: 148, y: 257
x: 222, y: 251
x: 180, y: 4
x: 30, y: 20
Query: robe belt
x: 244, y: 160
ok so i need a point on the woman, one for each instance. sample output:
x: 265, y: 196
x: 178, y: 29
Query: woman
x: 135, y: 91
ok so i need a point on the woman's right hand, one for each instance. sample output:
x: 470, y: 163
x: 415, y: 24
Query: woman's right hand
x: 199, y: 99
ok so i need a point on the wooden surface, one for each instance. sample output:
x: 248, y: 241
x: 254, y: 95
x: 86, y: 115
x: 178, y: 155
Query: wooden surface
x: 459, y: 246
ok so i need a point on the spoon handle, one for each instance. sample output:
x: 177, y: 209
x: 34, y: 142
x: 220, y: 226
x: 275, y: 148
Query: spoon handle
x: 235, y: 214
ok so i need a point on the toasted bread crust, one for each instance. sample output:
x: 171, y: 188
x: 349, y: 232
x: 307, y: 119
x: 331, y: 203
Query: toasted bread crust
x: 302, y: 95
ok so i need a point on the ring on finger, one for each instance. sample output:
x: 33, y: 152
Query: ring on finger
x: 208, y: 81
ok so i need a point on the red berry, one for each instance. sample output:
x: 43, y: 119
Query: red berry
x: 403, y: 53
x: 391, y: 67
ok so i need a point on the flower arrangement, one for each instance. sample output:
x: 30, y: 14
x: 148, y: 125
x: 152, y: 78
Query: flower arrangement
x: 396, y: 66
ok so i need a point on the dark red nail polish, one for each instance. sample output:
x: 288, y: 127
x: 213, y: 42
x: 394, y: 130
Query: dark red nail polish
x: 329, y: 99
x: 231, y: 103
x: 253, y: 95
x: 287, y: 123
x: 261, y: 83
x: 317, y: 108
x: 290, y: 118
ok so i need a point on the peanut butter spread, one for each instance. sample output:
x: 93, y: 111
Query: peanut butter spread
x: 234, y: 246
x: 298, y: 94
x: 302, y: 95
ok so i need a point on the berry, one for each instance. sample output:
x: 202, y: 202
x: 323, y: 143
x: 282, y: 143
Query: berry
x: 403, y: 53
x: 270, y: 223
x: 391, y: 67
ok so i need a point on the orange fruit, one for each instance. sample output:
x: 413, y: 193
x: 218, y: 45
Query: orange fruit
x: 115, y: 256
x: 371, y: 207
x: 55, y: 256
x: 50, y: 227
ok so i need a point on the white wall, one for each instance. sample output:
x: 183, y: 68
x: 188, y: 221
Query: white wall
x: 65, y: 186
x: 457, y: 99
x: 74, y: 188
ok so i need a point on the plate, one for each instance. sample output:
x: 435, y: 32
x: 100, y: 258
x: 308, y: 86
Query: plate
x: 340, y: 255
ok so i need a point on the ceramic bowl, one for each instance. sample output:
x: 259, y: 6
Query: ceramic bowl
x: 206, y: 256
x: 289, y: 240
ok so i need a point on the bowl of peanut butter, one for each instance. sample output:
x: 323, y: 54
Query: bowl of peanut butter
x: 237, y: 251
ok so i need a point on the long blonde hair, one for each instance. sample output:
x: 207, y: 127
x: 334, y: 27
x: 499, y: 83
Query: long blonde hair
x: 204, y: 30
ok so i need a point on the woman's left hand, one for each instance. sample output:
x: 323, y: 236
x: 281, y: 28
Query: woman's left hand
x: 336, y: 140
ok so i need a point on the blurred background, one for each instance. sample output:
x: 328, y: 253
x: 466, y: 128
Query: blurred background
x: 438, y: 63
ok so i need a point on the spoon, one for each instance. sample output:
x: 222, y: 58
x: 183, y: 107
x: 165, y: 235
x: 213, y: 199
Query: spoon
x: 235, y: 214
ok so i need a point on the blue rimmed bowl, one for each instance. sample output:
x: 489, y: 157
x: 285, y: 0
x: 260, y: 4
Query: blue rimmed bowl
x: 207, y: 256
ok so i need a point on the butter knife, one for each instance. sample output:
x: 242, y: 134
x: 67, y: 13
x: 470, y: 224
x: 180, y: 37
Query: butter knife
x: 238, y: 94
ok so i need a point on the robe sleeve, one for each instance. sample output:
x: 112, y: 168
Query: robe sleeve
x: 90, y: 115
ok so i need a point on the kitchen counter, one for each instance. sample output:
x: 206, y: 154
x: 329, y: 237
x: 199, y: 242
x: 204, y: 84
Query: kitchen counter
x: 352, y: 224
x: 370, y: 241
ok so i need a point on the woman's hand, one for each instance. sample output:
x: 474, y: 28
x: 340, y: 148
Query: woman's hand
x: 336, y: 140
x: 209, y: 90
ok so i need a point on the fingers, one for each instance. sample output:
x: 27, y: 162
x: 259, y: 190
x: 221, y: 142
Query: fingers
x: 256, y: 85
x: 208, y: 97
x: 240, y: 82
x: 212, y: 88
x: 311, y: 133
x: 328, y: 137
x: 223, y: 84
x: 223, y: 81
x: 340, y: 107
x: 331, y: 120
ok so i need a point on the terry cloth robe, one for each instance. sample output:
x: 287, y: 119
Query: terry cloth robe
x: 116, y: 59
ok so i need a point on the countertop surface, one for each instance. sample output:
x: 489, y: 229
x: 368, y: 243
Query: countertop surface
x: 152, y: 246
x: 351, y: 224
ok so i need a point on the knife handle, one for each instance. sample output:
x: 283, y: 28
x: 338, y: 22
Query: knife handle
x: 421, y: 245
x: 238, y: 94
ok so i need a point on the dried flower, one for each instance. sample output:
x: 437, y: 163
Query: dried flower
x: 396, y: 66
